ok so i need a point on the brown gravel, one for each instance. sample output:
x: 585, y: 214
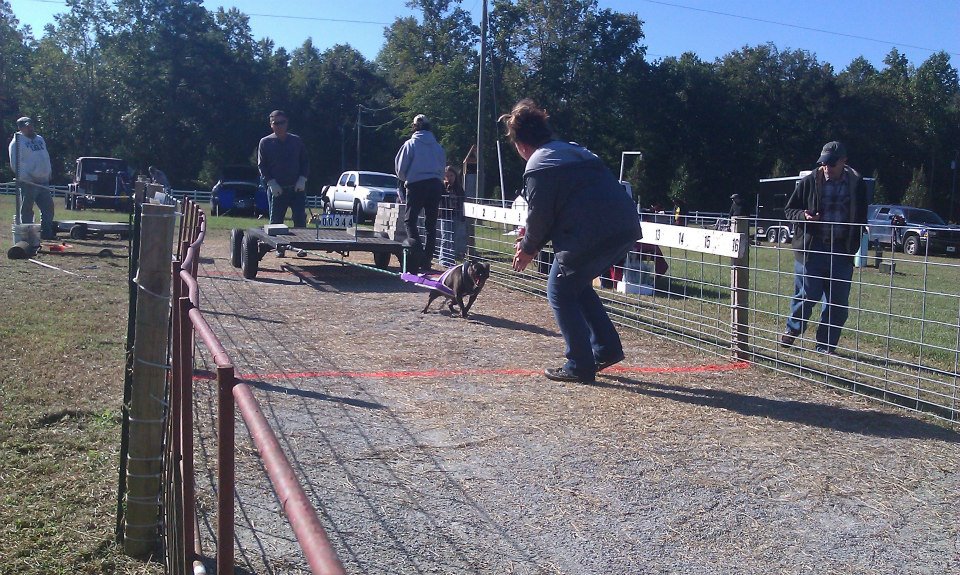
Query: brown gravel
x: 432, y: 444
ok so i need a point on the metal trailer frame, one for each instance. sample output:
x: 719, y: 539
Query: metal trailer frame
x: 248, y: 247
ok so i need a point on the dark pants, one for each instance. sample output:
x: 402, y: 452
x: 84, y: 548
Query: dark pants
x: 296, y: 201
x: 826, y: 278
x: 423, y: 196
x: 589, y: 334
x: 31, y: 194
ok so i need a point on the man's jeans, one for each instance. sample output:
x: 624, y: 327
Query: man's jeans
x: 31, y: 194
x: 296, y: 201
x: 589, y: 334
x: 423, y: 195
x: 822, y: 277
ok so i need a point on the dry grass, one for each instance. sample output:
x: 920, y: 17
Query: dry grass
x: 61, y: 389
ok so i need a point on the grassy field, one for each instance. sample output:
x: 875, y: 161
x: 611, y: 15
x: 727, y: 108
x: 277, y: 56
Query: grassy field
x: 61, y: 389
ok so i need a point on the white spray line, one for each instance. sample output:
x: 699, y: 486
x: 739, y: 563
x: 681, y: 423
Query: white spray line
x: 38, y: 262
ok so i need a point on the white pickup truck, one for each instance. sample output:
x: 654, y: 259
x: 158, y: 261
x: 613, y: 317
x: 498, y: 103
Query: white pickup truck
x: 360, y: 192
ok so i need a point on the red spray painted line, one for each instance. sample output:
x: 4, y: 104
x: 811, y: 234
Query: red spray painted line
x: 441, y: 373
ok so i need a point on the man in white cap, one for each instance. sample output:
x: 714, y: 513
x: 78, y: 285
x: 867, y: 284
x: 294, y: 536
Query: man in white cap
x: 31, y: 165
x: 828, y: 208
x: 419, y: 165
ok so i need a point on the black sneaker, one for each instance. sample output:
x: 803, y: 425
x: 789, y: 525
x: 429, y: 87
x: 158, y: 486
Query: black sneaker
x: 788, y: 337
x: 826, y: 349
x: 602, y: 365
x: 561, y: 374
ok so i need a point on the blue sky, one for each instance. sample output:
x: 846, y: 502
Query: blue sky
x: 835, y: 32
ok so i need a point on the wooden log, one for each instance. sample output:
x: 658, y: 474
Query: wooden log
x: 146, y: 408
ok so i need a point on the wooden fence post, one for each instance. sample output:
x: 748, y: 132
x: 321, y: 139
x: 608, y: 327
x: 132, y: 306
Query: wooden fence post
x: 146, y: 409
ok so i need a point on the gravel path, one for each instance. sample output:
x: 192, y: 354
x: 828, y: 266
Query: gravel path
x: 432, y: 444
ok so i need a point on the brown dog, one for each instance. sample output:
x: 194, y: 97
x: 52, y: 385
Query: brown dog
x: 461, y: 281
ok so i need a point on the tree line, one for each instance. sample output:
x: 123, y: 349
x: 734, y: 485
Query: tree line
x: 172, y: 84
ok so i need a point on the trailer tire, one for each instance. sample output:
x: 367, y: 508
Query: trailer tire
x: 250, y: 257
x: 381, y: 259
x: 236, y: 247
x: 784, y: 237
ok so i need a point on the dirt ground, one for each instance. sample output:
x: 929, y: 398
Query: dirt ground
x: 433, y: 444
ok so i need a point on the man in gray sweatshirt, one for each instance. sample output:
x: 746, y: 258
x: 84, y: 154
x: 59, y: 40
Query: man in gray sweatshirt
x: 31, y: 165
x: 420, y: 165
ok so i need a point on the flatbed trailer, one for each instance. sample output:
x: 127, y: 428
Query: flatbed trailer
x: 83, y: 229
x: 249, y: 246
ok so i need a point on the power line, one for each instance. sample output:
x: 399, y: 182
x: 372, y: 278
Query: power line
x: 318, y: 19
x: 796, y: 26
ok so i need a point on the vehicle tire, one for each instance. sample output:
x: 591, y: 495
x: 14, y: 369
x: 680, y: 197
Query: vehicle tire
x: 784, y: 237
x: 78, y: 232
x: 381, y: 259
x: 772, y: 236
x: 357, y: 213
x: 250, y: 257
x: 236, y: 247
x: 911, y: 245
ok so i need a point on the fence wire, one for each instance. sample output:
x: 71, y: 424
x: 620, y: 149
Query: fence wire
x: 899, y: 344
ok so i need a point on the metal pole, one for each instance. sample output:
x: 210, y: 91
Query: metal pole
x: 481, y: 118
x: 16, y: 177
x: 953, y: 186
x: 358, y: 136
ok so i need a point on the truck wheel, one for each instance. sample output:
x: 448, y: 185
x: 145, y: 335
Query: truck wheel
x: 357, y: 213
x: 236, y: 247
x: 784, y: 237
x: 250, y: 257
x: 381, y: 259
x: 911, y: 245
x: 772, y: 236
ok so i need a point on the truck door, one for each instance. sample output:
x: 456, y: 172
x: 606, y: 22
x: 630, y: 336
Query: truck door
x: 338, y: 194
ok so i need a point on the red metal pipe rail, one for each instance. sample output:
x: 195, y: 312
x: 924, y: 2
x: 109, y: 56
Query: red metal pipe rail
x: 189, y: 326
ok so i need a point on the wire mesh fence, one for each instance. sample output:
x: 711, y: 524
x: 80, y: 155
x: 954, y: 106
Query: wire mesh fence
x: 899, y: 342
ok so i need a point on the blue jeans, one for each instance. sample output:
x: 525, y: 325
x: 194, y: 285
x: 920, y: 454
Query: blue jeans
x: 826, y: 278
x: 31, y: 194
x: 589, y: 334
x: 296, y: 201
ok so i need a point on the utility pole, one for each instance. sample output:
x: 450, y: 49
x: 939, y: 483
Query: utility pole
x: 953, y: 186
x: 358, y: 135
x: 481, y: 117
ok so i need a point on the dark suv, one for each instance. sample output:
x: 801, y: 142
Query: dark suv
x: 914, y: 230
x: 103, y: 183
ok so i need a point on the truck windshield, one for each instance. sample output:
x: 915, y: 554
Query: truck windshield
x: 923, y: 217
x: 378, y: 180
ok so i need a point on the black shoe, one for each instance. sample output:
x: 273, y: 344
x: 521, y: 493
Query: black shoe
x: 788, y: 337
x: 561, y: 374
x: 602, y: 365
x: 826, y: 349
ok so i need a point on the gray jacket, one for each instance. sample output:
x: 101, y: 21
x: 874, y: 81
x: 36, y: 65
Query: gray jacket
x: 420, y: 158
x: 576, y: 203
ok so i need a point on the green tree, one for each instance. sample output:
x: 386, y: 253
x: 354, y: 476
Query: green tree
x: 918, y: 193
x: 14, y: 65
